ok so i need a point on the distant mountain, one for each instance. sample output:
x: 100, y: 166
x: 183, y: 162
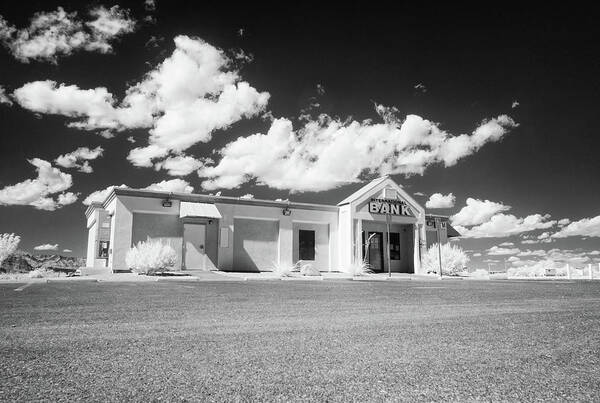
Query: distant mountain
x: 23, y: 262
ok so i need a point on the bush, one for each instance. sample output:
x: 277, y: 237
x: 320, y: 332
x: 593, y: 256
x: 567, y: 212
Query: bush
x: 454, y: 259
x: 282, y: 270
x: 151, y: 256
x: 8, y: 245
x: 360, y: 268
x: 309, y: 270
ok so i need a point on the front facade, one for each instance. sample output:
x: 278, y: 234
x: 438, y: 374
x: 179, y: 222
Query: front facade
x: 379, y: 223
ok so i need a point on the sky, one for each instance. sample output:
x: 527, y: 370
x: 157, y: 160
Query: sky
x: 486, y: 114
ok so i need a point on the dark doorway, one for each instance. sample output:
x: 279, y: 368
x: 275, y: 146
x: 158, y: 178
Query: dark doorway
x: 374, y: 250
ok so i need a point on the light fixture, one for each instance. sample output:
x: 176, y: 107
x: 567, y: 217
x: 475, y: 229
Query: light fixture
x: 168, y: 202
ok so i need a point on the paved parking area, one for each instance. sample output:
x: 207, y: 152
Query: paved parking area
x: 293, y: 340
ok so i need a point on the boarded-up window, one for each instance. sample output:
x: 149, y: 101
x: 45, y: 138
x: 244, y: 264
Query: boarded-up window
x: 306, y: 241
x: 394, y: 246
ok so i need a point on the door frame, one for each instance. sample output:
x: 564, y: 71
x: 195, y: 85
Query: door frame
x: 366, y: 249
x: 184, y: 246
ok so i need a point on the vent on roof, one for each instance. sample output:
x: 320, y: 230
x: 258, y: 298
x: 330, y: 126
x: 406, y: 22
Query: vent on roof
x: 389, y: 193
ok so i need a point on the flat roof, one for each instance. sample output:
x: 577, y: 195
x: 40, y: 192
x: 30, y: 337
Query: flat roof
x: 195, y: 197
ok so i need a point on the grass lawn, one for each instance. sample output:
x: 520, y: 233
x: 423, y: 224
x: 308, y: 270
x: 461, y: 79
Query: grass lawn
x: 317, y: 341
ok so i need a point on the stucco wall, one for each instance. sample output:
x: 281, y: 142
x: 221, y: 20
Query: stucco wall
x: 255, y: 244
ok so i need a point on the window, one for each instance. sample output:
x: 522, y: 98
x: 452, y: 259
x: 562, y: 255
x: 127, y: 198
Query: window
x: 394, y: 246
x: 306, y: 244
x: 103, y: 249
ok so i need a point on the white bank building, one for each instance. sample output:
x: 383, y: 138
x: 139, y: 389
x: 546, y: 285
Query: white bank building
x: 380, y: 223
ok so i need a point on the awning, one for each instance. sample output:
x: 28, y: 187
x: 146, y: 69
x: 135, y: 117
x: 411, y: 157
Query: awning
x: 187, y: 209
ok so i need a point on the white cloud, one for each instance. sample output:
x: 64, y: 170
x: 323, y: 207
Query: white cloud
x: 564, y: 221
x: 38, y: 192
x: 67, y: 250
x: 4, y: 99
x: 180, y: 165
x: 477, y: 212
x: 504, y: 225
x: 58, y: 33
x: 95, y: 107
x: 46, y: 246
x: 192, y: 93
x: 420, y: 87
x: 247, y: 196
x: 584, y: 227
x: 530, y: 241
x: 514, y: 104
x: 476, y: 254
x: 506, y: 244
x: 438, y: 200
x: 315, y: 157
x: 173, y: 185
x: 419, y: 194
x: 499, y: 251
x: 150, y: 5
x: 99, y: 196
x: 71, y: 160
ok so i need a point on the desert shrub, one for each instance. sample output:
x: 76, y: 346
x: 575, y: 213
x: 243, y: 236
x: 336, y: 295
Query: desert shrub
x: 309, y: 270
x: 454, y: 259
x: 360, y: 268
x: 43, y: 273
x: 151, y: 256
x: 282, y: 270
x: 8, y: 245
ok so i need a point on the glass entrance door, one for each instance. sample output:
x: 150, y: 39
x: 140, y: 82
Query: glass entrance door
x: 375, y: 250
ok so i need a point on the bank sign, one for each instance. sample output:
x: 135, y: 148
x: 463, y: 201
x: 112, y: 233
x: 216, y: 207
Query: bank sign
x: 389, y: 206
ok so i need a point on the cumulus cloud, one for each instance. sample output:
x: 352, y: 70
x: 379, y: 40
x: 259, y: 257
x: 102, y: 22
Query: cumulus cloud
x: 499, y: 251
x: 506, y: 244
x: 99, y: 196
x: 514, y: 104
x: 46, y: 246
x: 39, y: 192
x: 74, y: 158
x: 67, y: 250
x: 4, y: 99
x: 315, y: 157
x: 584, y: 227
x: 564, y: 221
x: 173, y: 185
x: 95, y: 107
x: 503, y: 225
x: 58, y: 33
x: 180, y: 165
x: 438, y: 200
x: 188, y: 96
x: 150, y: 5
x: 477, y: 212
x: 247, y: 196
x: 420, y: 87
